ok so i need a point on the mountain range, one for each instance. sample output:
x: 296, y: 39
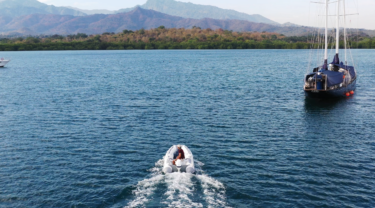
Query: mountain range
x: 194, y: 11
x: 15, y: 8
x: 31, y: 17
x: 134, y: 20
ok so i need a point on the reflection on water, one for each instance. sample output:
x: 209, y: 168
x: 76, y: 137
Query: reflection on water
x: 323, y: 116
x: 314, y: 105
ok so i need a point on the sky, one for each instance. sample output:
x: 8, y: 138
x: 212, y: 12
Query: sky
x: 295, y: 11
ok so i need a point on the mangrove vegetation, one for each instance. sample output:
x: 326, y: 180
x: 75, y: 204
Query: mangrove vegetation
x: 162, y: 38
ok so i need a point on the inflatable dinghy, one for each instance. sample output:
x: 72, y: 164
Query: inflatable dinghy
x: 3, y: 62
x: 185, y: 165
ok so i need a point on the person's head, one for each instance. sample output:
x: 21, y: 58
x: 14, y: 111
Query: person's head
x: 179, y: 146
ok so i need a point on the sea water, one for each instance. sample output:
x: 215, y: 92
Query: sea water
x: 90, y: 129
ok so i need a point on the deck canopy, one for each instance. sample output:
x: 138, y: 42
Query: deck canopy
x: 333, y: 77
x: 348, y: 68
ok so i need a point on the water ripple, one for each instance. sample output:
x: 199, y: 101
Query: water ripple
x: 85, y: 128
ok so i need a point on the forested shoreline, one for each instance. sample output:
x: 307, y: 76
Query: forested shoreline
x: 163, y: 39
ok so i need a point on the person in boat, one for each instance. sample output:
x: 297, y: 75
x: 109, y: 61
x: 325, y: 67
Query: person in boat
x: 181, y: 154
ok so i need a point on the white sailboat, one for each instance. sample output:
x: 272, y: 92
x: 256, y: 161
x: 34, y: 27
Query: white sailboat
x: 335, y: 79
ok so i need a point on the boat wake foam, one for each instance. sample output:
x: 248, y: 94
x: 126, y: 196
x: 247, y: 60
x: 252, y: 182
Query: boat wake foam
x: 179, y: 189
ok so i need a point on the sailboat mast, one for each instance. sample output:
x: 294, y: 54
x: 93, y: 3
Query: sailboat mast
x: 326, y: 39
x: 337, y: 60
x: 338, y: 27
x: 346, y: 61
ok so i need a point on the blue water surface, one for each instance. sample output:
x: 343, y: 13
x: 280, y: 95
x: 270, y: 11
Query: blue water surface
x: 89, y: 129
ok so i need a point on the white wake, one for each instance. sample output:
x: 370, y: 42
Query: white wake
x: 181, y: 189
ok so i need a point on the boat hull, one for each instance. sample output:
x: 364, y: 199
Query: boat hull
x: 3, y: 63
x: 336, y: 93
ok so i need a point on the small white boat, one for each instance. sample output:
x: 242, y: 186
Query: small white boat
x: 185, y: 165
x: 3, y: 62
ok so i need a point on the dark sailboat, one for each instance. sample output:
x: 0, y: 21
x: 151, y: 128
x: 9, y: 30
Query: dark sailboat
x: 336, y: 79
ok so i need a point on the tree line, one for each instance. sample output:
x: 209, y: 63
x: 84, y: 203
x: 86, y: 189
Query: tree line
x: 173, y: 38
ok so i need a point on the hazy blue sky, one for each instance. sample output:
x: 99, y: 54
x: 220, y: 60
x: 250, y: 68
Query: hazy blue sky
x: 295, y: 11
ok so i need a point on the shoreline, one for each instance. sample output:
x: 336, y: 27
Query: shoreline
x: 77, y: 46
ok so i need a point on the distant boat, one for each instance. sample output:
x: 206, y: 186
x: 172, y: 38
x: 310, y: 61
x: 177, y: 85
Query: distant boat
x: 3, y: 62
x: 336, y: 79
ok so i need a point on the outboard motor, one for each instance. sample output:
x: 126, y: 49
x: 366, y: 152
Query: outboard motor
x: 179, y: 165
